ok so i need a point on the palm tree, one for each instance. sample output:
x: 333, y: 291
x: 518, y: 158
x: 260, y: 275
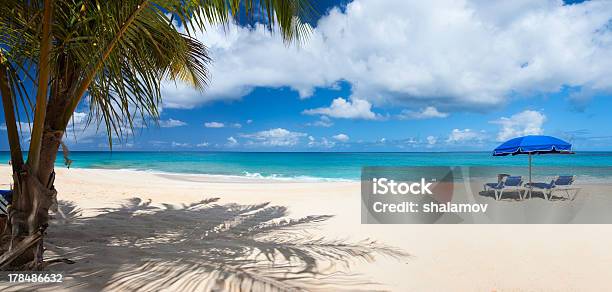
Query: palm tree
x: 111, y: 56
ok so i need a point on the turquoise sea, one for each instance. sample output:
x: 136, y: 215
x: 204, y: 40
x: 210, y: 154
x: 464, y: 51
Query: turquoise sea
x: 333, y: 166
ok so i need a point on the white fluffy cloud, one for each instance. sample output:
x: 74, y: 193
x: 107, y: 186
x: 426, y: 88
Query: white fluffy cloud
x: 465, y: 135
x: 214, y: 125
x: 321, y: 143
x: 527, y: 122
x: 231, y: 142
x: 274, y: 137
x: 429, y: 112
x: 171, y: 123
x: 431, y: 140
x: 346, y: 109
x: 79, y: 131
x: 341, y: 137
x: 179, y: 144
x: 324, y: 121
x: 447, y: 54
x: 222, y: 125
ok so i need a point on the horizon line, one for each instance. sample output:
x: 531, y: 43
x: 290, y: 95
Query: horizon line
x: 339, y: 152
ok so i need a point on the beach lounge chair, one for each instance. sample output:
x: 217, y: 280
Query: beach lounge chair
x: 5, y: 201
x: 510, y: 183
x: 560, y: 183
x: 500, y: 178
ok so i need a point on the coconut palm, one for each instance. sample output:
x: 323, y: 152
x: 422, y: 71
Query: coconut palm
x: 110, y: 56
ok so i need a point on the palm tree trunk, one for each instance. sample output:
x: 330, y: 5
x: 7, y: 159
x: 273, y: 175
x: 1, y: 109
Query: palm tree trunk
x: 21, y: 202
x: 41, y: 92
x: 9, y: 118
x: 32, y: 198
x: 30, y: 213
x: 45, y: 194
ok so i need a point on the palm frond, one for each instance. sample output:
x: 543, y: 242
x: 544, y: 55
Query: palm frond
x: 116, y: 54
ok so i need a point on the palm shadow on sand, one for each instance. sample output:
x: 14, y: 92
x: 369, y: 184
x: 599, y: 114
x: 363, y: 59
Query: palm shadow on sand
x: 203, y: 246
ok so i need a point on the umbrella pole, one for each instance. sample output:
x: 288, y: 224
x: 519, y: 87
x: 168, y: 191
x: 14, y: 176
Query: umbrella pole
x: 530, y: 186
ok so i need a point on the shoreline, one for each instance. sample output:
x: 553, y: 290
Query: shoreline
x: 217, y: 178
x: 258, y: 178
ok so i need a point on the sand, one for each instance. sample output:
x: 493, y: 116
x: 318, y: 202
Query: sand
x: 129, y: 230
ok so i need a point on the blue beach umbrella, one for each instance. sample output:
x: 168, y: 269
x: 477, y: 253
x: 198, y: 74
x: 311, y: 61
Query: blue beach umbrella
x: 533, y: 144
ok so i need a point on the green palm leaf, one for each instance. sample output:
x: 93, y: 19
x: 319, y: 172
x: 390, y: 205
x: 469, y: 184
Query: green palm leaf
x: 117, y: 53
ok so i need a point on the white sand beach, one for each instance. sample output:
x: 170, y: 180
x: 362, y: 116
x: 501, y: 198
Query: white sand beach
x: 164, y: 245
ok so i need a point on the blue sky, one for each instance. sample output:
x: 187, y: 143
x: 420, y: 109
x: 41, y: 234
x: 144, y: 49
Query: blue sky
x: 435, y: 76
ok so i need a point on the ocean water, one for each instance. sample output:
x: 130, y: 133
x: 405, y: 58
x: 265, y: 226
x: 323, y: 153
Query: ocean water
x: 337, y: 166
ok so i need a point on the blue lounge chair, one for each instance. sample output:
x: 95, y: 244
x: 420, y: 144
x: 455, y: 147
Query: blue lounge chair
x: 500, y: 178
x: 5, y: 201
x: 510, y: 183
x: 560, y: 183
